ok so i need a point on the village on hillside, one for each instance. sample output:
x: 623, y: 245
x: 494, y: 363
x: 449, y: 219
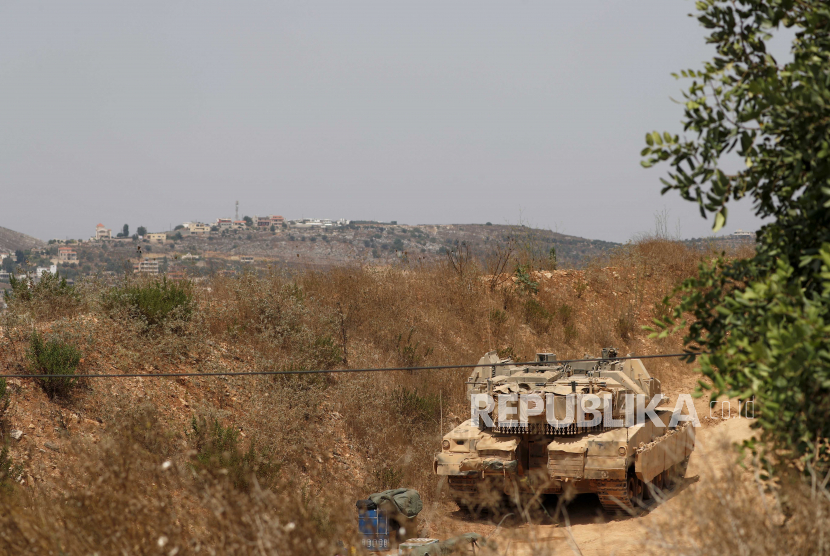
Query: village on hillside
x: 196, y: 249
x: 231, y: 245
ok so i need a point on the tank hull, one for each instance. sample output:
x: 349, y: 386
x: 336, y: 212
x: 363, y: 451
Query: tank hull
x: 622, y: 466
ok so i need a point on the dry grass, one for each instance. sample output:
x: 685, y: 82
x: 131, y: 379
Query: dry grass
x: 731, y: 510
x: 119, y: 497
x: 333, y: 438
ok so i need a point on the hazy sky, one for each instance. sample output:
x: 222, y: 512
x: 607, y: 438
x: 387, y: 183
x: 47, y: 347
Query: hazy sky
x: 154, y: 113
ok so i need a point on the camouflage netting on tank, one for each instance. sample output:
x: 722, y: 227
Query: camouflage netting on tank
x: 407, y: 501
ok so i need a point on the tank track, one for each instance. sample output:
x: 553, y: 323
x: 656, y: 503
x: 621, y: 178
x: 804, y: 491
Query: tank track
x: 615, y: 496
x: 632, y: 494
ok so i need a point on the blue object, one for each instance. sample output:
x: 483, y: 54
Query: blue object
x: 374, y: 526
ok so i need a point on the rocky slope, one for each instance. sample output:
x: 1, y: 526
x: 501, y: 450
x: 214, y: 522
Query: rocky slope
x: 11, y: 241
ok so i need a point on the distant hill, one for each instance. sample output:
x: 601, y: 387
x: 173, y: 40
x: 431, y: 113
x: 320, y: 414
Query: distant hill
x: 382, y: 243
x: 11, y: 241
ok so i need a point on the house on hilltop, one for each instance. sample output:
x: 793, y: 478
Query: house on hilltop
x: 102, y: 232
x: 197, y: 227
x: 265, y: 222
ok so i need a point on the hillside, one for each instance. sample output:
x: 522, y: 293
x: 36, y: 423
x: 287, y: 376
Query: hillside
x: 11, y: 241
x: 366, y: 243
x: 381, y: 243
x: 172, y: 461
x: 373, y: 244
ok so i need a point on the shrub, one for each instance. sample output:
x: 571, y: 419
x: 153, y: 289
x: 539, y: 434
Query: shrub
x: 410, y: 352
x: 498, y: 317
x: 57, y: 361
x: 218, y: 453
x: 50, y: 296
x: 625, y: 326
x: 415, y: 408
x: 537, y: 316
x: 9, y: 471
x: 387, y: 477
x: 565, y: 314
x: 570, y: 333
x: 523, y: 279
x: 155, y: 302
x: 141, y: 426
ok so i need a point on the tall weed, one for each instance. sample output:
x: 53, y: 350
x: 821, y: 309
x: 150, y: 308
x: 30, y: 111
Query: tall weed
x: 55, y: 363
x: 218, y: 453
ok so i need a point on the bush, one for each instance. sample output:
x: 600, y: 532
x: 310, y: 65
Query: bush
x: 388, y: 477
x: 537, y: 316
x: 9, y: 471
x: 410, y: 352
x: 498, y: 317
x: 57, y: 361
x: 50, y: 296
x: 218, y: 453
x: 156, y: 302
x: 625, y: 326
x: 565, y: 314
x: 570, y: 333
x: 524, y: 280
x: 415, y: 408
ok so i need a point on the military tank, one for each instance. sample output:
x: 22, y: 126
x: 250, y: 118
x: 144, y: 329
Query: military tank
x: 550, y: 450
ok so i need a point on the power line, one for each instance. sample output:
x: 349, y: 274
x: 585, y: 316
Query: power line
x: 365, y: 370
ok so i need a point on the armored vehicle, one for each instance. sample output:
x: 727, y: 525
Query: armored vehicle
x: 555, y: 448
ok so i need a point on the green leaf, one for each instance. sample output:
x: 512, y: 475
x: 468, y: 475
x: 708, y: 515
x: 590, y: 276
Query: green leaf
x: 720, y: 220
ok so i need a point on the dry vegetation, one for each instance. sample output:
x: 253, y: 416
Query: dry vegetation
x: 737, y: 511
x: 238, y: 465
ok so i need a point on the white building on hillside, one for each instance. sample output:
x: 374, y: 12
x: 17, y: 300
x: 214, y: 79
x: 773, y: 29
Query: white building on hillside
x: 102, y: 232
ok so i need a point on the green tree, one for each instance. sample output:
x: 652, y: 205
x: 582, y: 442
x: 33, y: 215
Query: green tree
x: 142, y: 231
x: 248, y: 220
x: 763, y: 320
